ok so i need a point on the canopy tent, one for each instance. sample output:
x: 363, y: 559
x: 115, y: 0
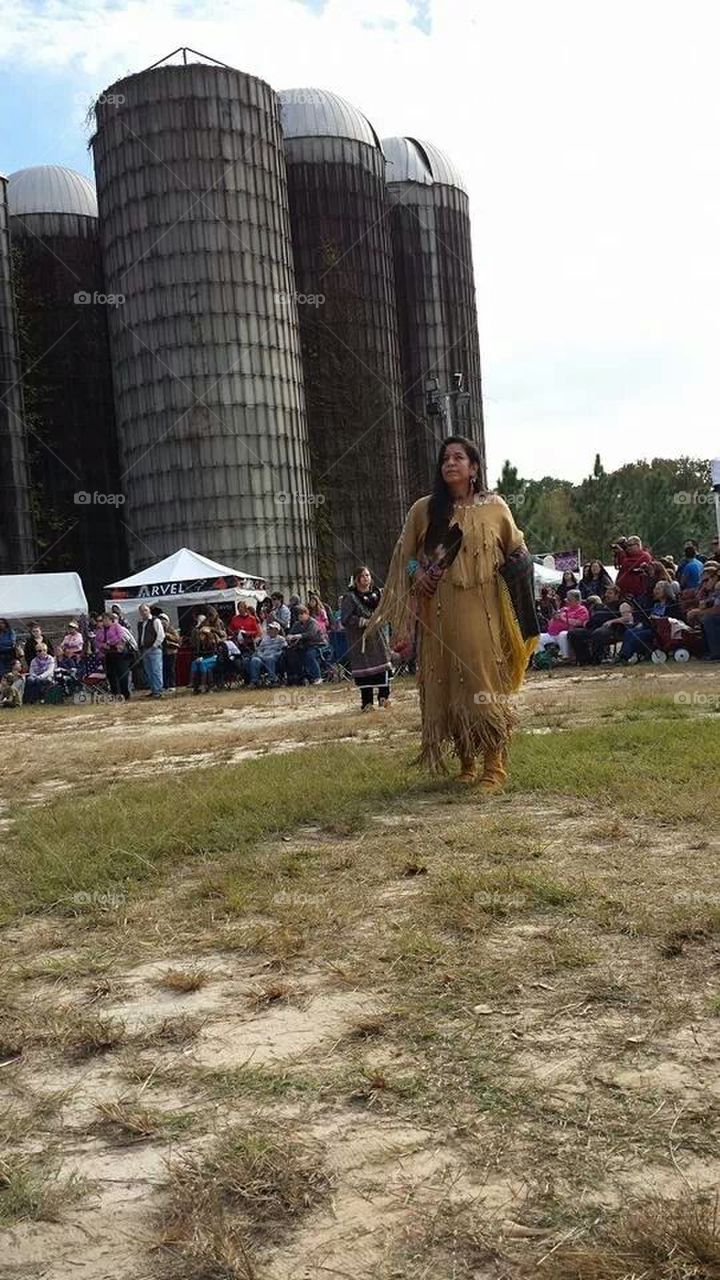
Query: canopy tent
x: 184, y: 579
x: 41, y: 597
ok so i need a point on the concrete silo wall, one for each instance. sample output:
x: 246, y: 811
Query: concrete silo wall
x: 17, y: 547
x: 437, y: 316
x: 68, y: 394
x: 206, y: 358
x: 342, y: 255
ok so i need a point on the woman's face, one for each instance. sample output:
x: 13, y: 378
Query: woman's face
x: 595, y: 569
x: 569, y: 577
x: 457, y: 469
x: 364, y: 580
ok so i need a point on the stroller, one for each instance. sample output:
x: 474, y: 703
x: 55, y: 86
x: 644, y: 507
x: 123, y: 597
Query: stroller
x: 682, y: 647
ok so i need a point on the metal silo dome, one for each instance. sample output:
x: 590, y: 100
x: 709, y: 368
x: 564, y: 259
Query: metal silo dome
x: 435, y: 292
x: 348, y: 330
x: 317, y: 113
x: 411, y: 160
x: 51, y: 188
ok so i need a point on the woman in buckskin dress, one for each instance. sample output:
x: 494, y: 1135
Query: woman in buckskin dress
x: 462, y: 573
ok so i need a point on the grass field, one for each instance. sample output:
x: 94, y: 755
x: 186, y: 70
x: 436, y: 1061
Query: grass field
x: 275, y: 1006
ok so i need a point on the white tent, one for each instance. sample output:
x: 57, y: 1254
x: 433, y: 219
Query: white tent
x: 41, y: 597
x: 182, y: 579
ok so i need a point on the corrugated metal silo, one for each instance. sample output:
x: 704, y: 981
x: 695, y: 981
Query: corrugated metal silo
x: 435, y: 289
x: 206, y: 354
x: 17, y: 547
x: 66, y: 374
x: 348, y: 326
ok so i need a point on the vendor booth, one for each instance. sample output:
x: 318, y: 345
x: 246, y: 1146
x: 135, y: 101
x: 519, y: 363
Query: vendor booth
x: 50, y: 599
x: 183, y: 584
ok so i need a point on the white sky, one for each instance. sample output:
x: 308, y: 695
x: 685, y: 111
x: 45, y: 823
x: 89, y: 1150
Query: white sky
x: 589, y: 135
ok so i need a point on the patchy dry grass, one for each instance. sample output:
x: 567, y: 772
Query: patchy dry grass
x: 32, y: 1190
x: 223, y: 1204
x: 661, y: 1239
x: 183, y: 981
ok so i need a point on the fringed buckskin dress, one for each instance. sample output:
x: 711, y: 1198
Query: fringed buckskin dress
x: 472, y: 652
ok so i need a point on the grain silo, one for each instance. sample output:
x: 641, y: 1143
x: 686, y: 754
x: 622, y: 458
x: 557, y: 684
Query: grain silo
x: 206, y: 354
x: 343, y: 268
x: 66, y: 373
x: 435, y: 289
x: 17, y: 552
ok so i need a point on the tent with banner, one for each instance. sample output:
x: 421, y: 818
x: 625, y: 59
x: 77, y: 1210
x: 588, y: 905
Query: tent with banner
x: 184, y: 582
x: 50, y: 599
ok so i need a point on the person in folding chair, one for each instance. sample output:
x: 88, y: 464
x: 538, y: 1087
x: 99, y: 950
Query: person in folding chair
x: 461, y: 570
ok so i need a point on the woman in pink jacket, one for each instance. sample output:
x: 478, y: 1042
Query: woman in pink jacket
x: 573, y: 614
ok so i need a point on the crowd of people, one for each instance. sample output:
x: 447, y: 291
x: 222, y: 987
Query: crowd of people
x: 269, y: 644
x: 653, y: 607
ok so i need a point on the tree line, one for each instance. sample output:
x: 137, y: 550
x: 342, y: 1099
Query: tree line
x: 666, y: 502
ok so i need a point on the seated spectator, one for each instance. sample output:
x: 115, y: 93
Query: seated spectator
x: 40, y: 677
x: 546, y: 605
x: 317, y: 610
x: 214, y: 621
x: 579, y: 638
x: 72, y: 644
x: 264, y: 612
x: 12, y: 686
x: 610, y: 630
x: 304, y: 642
x: 567, y: 583
x: 294, y: 607
x: 595, y: 580
x: 573, y: 614
x: 244, y: 627
x: 710, y: 622
x: 269, y: 653
x: 8, y: 644
x: 204, y: 642
x: 638, y: 639
x: 230, y: 662
x: 280, y: 612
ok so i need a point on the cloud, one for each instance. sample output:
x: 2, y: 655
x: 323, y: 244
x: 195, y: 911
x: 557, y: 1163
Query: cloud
x: 588, y: 138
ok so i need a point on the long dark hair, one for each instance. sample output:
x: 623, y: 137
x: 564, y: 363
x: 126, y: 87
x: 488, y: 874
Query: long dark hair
x: 441, y: 501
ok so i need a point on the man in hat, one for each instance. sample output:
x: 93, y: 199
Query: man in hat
x: 267, y: 656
